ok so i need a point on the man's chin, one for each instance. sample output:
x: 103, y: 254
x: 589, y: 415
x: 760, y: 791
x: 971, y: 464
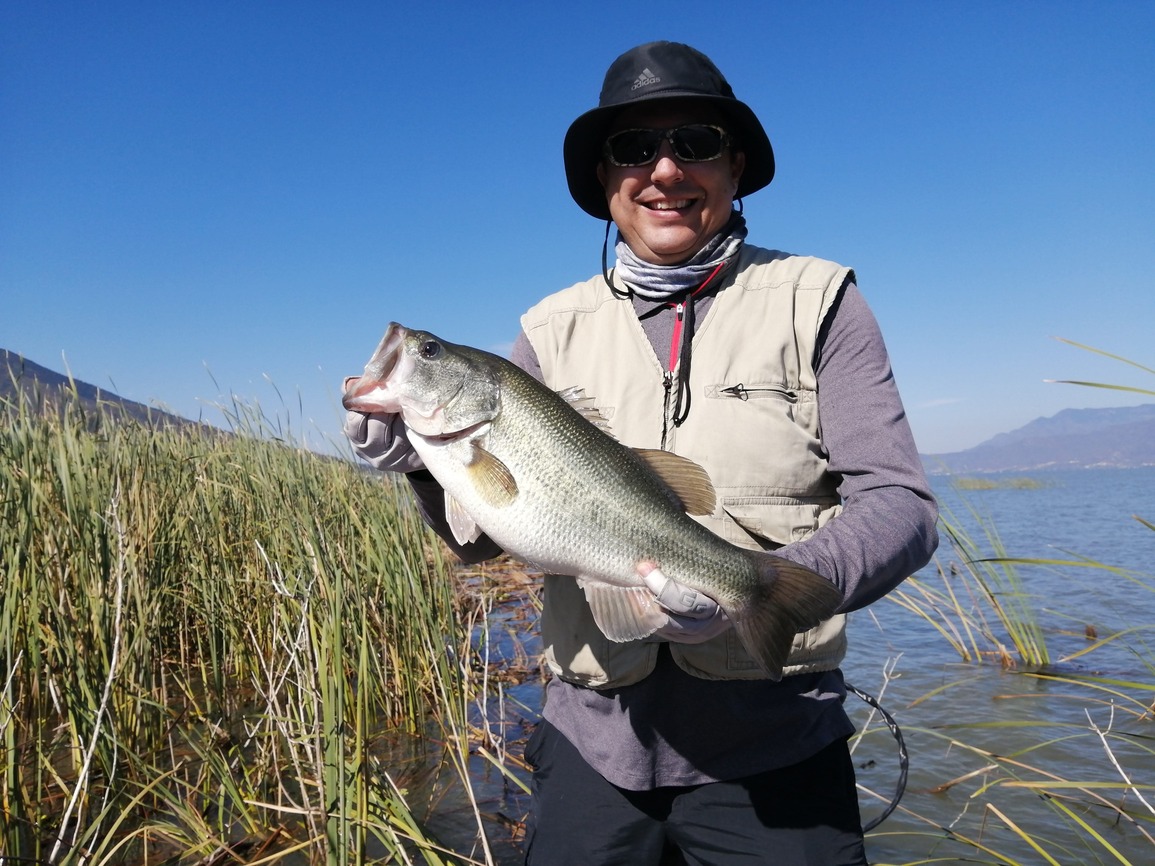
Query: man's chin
x: 668, y: 247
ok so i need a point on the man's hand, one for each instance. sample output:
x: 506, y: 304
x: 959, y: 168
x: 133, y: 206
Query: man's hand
x: 381, y: 440
x: 691, y: 617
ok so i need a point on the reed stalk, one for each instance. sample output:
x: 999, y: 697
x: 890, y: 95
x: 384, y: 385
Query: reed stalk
x: 203, y: 637
x: 1072, y: 812
x: 982, y: 590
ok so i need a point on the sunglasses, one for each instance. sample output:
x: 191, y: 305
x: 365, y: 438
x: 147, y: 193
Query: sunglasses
x: 695, y: 142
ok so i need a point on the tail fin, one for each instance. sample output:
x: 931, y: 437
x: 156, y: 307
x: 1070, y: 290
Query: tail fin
x: 796, y: 599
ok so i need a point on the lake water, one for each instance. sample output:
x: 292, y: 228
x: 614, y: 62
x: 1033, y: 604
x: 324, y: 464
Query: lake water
x: 1063, y: 515
x: 981, y: 738
x: 1069, y: 515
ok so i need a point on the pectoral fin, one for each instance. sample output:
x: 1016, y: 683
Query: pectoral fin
x: 492, y: 479
x: 623, y: 613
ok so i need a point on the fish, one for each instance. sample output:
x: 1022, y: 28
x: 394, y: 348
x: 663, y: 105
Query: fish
x: 540, y: 473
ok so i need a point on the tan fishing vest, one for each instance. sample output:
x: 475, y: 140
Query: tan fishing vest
x: 753, y: 424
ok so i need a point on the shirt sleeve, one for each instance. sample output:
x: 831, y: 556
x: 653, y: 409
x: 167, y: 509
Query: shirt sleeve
x: 887, y: 528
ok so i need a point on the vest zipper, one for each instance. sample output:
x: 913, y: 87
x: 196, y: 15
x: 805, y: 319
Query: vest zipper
x: 668, y: 375
x: 675, y: 353
x: 743, y: 393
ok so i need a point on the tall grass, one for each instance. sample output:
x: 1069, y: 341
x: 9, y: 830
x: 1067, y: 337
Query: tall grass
x: 981, y: 603
x: 202, y: 637
x: 991, y: 580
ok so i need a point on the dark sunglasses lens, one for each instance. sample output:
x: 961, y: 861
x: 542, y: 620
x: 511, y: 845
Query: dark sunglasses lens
x: 694, y: 143
x: 634, y: 146
x: 697, y: 143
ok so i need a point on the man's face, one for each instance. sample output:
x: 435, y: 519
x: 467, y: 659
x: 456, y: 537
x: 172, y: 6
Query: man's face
x: 669, y: 209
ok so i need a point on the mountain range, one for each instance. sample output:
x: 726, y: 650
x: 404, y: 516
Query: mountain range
x: 44, y: 388
x: 1073, y: 439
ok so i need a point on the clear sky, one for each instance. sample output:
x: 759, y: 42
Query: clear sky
x: 200, y: 199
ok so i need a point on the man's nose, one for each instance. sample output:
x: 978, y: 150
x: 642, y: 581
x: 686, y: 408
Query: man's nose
x: 666, y: 166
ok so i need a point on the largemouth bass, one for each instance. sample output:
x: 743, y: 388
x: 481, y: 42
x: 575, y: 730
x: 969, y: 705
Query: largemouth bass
x: 535, y: 471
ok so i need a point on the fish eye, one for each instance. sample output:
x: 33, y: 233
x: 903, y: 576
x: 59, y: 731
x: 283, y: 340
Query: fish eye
x: 429, y: 350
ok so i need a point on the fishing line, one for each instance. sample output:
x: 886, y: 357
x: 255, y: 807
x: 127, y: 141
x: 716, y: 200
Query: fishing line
x: 903, y: 757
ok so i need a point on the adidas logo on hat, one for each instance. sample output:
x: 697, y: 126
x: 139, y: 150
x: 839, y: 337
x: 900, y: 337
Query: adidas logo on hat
x: 647, y: 77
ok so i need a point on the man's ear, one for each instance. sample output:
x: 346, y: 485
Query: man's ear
x: 737, y: 166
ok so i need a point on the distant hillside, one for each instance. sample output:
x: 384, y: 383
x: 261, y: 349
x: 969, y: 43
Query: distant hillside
x: 46, y: 388
x: 1072, y: 439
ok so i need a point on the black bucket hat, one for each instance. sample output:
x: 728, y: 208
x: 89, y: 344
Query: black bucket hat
x: 651, y: 72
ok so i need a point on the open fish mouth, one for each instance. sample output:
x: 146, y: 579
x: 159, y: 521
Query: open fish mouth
x: 377, y: 371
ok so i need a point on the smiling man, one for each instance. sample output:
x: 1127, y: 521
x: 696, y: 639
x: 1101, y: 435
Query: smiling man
x: 668, y: 208
x: 769, y: 370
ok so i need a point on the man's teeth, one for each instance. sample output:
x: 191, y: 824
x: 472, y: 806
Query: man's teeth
x: 671, y: 205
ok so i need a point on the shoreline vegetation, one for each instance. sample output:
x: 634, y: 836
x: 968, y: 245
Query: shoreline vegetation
x: 1021, y: 483
x: 228, y: 649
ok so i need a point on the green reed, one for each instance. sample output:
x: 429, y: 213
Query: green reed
x: 980, y: 603
x: 1016, y: 793
x: 996, y: 483
x: 204, y: 636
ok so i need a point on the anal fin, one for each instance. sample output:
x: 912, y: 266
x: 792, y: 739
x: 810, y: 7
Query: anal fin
x: 623, y: 613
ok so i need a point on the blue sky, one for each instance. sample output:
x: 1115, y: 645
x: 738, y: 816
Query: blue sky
x: 202, y: 199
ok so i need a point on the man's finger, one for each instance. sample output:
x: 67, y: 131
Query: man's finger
x: 678, y: 598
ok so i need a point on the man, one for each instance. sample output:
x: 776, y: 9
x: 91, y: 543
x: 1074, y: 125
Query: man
x: 769, y: 370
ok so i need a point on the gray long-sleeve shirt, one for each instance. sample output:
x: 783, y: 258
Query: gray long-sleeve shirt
x: 676, y: 729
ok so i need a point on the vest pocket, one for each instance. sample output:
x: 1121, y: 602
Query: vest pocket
x: 785, y: 400
x: 575, y: 648
x: 769, y: 522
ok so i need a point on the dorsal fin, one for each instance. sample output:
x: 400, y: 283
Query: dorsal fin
x: 688, y: 481
x: 577, y: 398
